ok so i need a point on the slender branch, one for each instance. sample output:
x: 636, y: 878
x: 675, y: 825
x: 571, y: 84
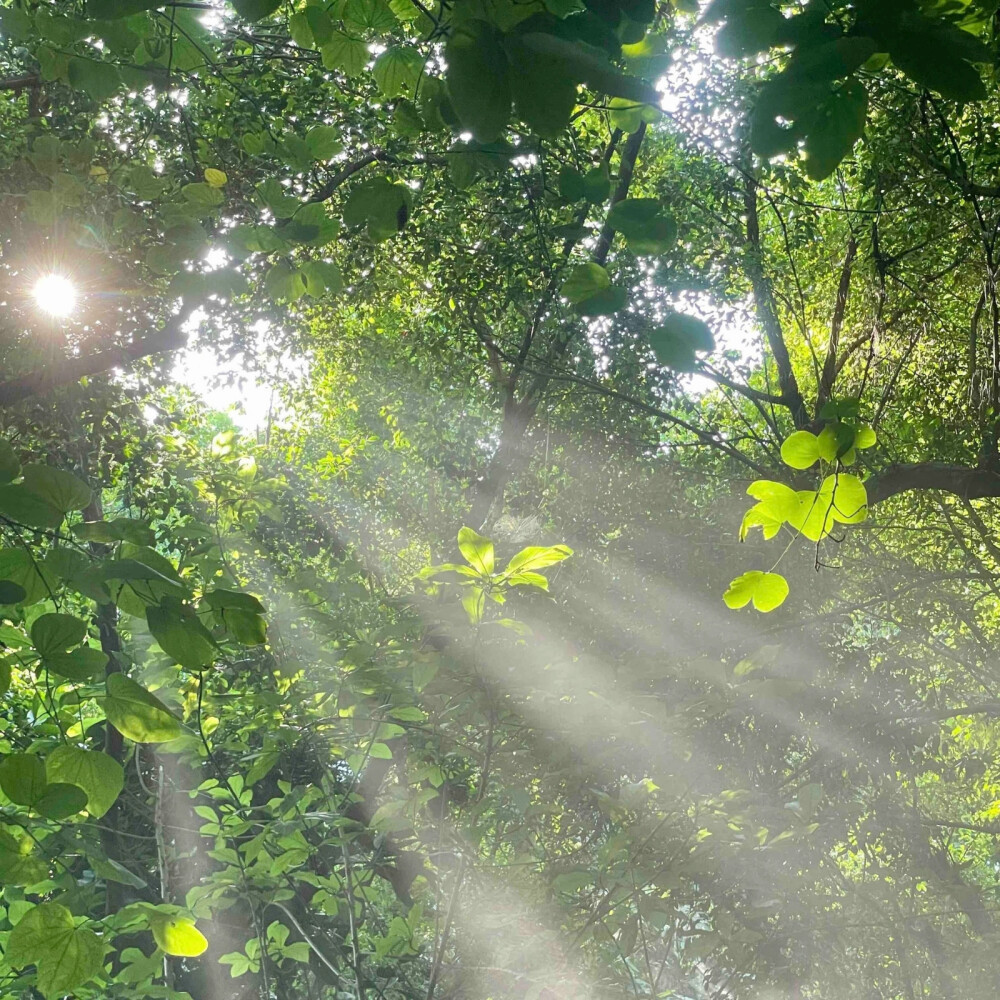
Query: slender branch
x: 973, y: 827
x: 767, y: 311
x: 626, y: 169
x: 706, y: 437
x: 569, y: 245
x: 348, y: 170
x: 326, y: 191
x: 19, y: 83
x: 743, y: 390
x: 565, y: 335
x: 843, y: 290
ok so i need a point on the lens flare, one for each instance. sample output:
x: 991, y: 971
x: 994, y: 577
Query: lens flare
x: 55, y: 295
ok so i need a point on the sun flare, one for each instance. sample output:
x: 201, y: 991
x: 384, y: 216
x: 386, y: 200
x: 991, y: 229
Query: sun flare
x: 56, y: 295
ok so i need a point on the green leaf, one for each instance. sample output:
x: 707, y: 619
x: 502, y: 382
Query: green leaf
x: 323, y: 142
x: 78, y: 665
x: 256, y: 10
x: 813, y: 516
x: 111, y: 871
x: 180, y: 634
x: 22, y: 506
x: 65, y: 956
x: 544, y: 91
x: 55, y: 633
x: 321, y: 277
x: 477, y: 550
x: 15, y: 24
x: 374, y: 16
x: 584, y: 63
x: 827, y: 444
x: 105, y: 10
x: 10, y: 467
x: 100, y: 80
x: 397, y: 70
x: 927, y: 59
x: 604, y: 303
x: 60, y: 800
x: 406, y: 120
x: 749, y: 28
x: 846, y: 497
x: 141, y: 578
x: 778, y: 503
x: 763, y: 516
x: 767, y: 591
x: 138, y: 714
x: 11, y: 593
x: 320, y: 24
x: 56, y: 487
x: 642, y: 222
x: 474, y: 602
x: 346, y: 53
x: 594, y: 186
x: 800, y: 450
x: 18, y: 567
x: 284, y: 282
x: 100, y: 776
x: 833, y: 128
x: 478, y: 79
x: 830, y: 60
x: 120, y: 529
x: 178, y: 936
x: 865, y: 438
x: 203, y: 196
x: 584, y: 282
x: 679, y: 340
x: 277, y: 198
x: 536, y: 557
x: 630, y: 115
x: 226, y: 600
x: 379, y: 204
x: 262, y: 766
x: 22, y: 778
x: 18, y: 864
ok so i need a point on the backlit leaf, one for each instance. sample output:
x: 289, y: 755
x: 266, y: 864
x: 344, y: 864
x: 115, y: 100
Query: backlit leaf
x: 66, y: 956
x: 767, y: 591
x: 138, y: 714
x: 99, y: 775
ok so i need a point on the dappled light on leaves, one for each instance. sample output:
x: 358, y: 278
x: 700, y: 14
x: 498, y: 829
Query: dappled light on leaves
x: 595, y: 589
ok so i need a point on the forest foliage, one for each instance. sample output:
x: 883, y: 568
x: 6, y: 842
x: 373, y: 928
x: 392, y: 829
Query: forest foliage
x: 466, y: 672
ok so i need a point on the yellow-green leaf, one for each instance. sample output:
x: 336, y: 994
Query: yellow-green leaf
x: 800, y: 450
x: 767, y: 591
x: 178, y: 936
x: 137, y: 714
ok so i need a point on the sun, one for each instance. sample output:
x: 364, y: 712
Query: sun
x: 55, y: 294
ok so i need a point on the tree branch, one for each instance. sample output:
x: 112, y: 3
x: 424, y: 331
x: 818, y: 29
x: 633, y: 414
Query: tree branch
x: 68, y: 370
x: 964, y: 481
x: 348, y: 170
x: 830, y: 367
x: 767, y: 311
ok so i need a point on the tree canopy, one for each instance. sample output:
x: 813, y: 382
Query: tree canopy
x: 606, y: 602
